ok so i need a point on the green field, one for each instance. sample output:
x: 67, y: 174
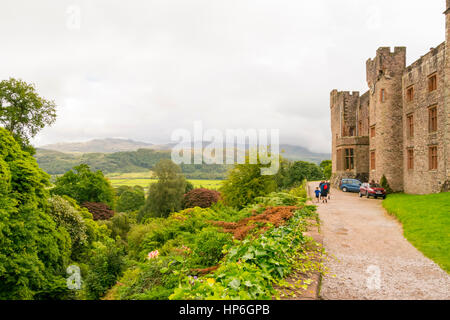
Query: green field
x: 144, y: 179
x: 426, y: 223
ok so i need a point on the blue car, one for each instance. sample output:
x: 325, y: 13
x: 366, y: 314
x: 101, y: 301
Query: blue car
x: 350, y: 185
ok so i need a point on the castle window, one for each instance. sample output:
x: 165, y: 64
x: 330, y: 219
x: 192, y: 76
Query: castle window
x: 410, y: 125
x: 339, y: 160
x: 372, y: 160
x: 372, y: 132
x: 432, y: 119
x: 349, y: 159
x: 360, y: 133
x: 433, y: 158
x: 410, y: 159
x: 383, y: 95
x: 410, y: 94
x: 432, y: 82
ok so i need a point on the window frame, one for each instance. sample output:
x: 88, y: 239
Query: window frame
x: 373, y: 160
x: 410, y: 158
x: 349, y: 159
x: 432, y: 119
x: 433, y: 158
x: 373, y: 131
x: 410, y: 93
x: 432, y: 82
x: 410, y: 125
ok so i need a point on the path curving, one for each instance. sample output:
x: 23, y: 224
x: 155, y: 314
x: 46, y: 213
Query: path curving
x: 369, y: 258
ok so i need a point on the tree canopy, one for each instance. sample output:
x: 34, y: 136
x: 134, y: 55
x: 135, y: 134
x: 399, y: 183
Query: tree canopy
x: 166, y: 195
x: 84, y: 185
x: 22, y: 111
x: 34, y: 251
x: 245, y: 183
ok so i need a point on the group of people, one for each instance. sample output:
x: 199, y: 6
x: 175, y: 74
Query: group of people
x: 323, y: 192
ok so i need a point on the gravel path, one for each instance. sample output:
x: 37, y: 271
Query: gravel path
x: 368, y: 256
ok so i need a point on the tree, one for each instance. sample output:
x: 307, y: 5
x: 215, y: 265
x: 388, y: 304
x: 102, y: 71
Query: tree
x: 326, y: 167
x: 294, y: 173
x: 34, y: 251
x: 166, y: 195
x: 22, y: 111
x: 83, y: 185
x: 245, y: 183
x: 203, y: 198
x: 130, y: 199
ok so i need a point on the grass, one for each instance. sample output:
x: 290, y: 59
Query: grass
x: 426, y: 223
x: 144, y: 179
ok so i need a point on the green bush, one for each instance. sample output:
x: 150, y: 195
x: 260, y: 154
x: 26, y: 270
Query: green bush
x: 34, y: 252
x: 83, y: 185
x: 105, y: 267
x: 245, y: 183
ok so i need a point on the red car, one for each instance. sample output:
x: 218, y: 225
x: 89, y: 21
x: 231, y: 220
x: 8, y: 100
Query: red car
x: 372, y: 190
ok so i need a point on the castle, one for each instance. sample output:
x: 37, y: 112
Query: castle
x: 400, y: 127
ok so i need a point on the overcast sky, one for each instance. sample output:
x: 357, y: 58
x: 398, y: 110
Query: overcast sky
x: 140, y: 69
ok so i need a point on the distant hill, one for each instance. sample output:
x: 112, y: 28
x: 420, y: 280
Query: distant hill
x: 121, y: 145
x: 109, y: 145
x: 101, y: 155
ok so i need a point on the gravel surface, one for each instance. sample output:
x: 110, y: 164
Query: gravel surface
x: 369, y: 258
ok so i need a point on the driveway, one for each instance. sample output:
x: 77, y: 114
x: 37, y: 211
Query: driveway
x: 368, y: 256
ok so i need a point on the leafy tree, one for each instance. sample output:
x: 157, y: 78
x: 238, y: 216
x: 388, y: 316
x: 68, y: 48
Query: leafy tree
x: 130, y: 199
x: 203, y: 198
x: 34, y: 251
x: 83, y: 185
x: 22, y: 111
x: 293, y: 173
x: 166, y: 195
x: 326, y: 167
x: 245, y: 183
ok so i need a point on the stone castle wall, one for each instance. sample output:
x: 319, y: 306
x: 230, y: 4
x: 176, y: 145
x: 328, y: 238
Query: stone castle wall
x: 386, y: 108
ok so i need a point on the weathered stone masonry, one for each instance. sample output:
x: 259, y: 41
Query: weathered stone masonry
x: 400, y: 127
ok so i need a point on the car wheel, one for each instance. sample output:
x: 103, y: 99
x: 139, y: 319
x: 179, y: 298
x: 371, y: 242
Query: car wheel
x: 384, y: 197
x: 344, y: 189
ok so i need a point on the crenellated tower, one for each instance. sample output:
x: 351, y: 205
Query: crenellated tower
x: 384, y: 78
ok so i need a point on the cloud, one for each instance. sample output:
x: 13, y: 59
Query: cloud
x: 141, y: 69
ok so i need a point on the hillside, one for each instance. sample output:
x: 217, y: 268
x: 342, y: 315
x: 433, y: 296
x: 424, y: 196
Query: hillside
x: 57, y: 162
x: 109, y: 145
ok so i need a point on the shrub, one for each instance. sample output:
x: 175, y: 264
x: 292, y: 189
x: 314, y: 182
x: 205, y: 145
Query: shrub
x: 207, y: 249
x: 105, y: 266
x: 65, y: 215
x: 203, y: 198
x: 384, y: 183
x: 100, y: 211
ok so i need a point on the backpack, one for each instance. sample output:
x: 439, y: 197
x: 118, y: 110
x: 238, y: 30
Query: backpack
x: 325, y: 187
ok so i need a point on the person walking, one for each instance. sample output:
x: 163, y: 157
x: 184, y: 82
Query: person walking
x: 328, y: 189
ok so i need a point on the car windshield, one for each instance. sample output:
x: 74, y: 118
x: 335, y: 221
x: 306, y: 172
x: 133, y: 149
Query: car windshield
x: 375, y: 185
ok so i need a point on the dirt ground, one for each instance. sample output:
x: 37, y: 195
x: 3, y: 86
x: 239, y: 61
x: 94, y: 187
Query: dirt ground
x: 369, y: 258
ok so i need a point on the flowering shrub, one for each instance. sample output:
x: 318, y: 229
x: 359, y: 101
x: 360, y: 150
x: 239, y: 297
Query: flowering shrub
x: 153, y: 255
x: 203, y: 198
x: 100, y: 211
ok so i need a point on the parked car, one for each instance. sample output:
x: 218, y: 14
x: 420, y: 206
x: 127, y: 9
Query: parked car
x: 350, y: 185
x: 372, y: 190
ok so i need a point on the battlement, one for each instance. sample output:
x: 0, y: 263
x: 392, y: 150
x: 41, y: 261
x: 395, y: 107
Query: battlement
x: 386, y: 63
x: 439, y: 50
x: 342, y: 97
